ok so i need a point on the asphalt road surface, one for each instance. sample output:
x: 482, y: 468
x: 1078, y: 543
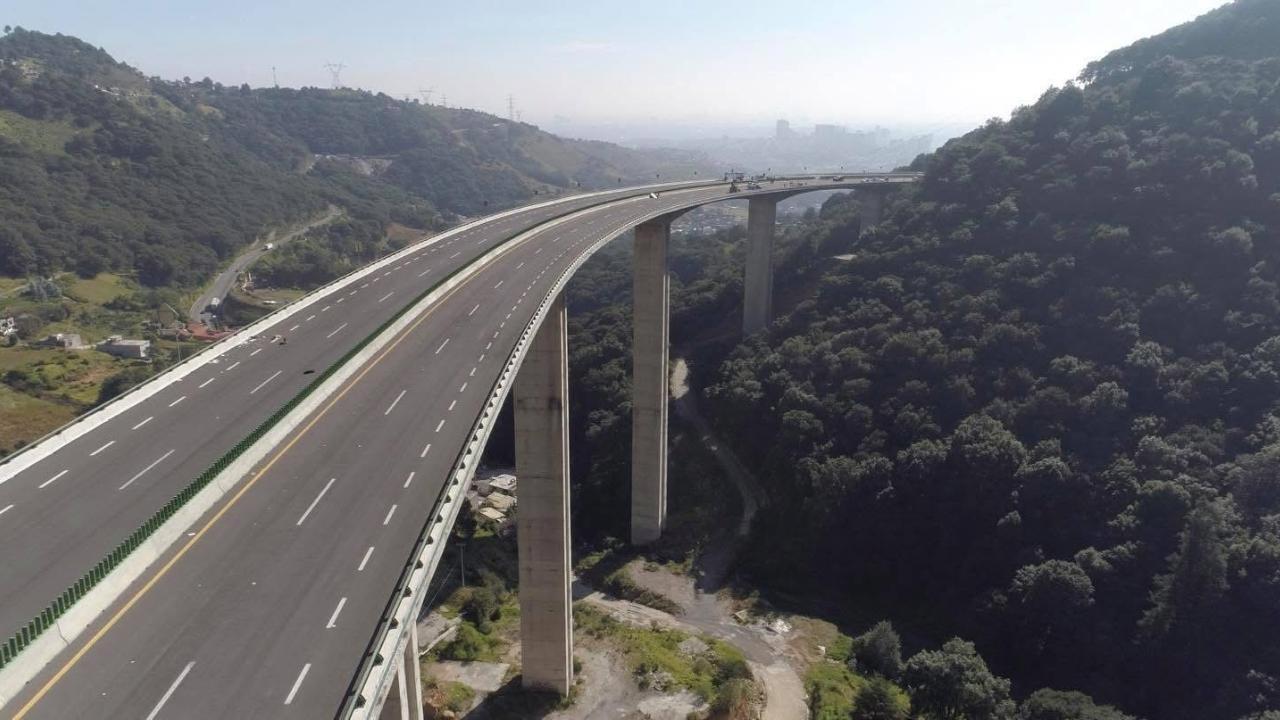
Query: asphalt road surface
x: 222, y: 284
x: 268, y: 608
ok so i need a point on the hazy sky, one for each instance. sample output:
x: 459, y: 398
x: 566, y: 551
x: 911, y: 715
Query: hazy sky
x: 851, y: 61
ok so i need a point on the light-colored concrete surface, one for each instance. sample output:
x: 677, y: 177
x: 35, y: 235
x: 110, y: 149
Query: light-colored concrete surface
x: 757, y: 301
x: 784, y: 692
x: 649, y: 385
x: 671, y: 707
x: 542, y: 523
x: 485, y: 677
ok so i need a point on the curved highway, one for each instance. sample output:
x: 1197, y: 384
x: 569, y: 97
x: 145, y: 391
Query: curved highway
x: 266, y: 609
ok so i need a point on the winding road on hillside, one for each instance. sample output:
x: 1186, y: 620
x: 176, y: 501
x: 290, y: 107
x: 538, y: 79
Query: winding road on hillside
x: 265, y: 608
x: 222, y: 284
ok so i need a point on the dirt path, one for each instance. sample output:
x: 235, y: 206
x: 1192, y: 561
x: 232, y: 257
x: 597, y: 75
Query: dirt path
x: 686, y: 403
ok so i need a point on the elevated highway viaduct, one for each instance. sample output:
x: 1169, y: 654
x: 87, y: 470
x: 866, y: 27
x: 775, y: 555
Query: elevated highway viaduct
x: 286, y: 581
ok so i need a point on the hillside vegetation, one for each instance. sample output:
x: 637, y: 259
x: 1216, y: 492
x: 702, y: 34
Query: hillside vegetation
x: 102, y: 168
x: 1040, y: 408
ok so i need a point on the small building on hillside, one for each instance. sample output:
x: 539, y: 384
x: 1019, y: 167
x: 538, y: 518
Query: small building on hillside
x: 120, y: 347
x: 495, y: 516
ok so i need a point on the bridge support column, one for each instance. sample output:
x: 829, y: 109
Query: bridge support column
x: 649, y: 383
x: 757, y: 304
x: 870, y: 205
x: 405, y: 700
x: 542, y: 521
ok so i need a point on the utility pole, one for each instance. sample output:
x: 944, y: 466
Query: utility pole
x: 274, y: 80
x: 444, y: 100
x: 511, y: 108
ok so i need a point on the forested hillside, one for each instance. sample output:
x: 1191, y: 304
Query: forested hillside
x: 102, y: 168
x: 1040, y: 407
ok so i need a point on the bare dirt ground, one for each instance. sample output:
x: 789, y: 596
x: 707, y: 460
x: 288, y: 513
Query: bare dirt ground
x: 773, y: 658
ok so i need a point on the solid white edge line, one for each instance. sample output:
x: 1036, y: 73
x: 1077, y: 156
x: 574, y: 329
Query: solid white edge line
x: 315, y: 502
x: 169, y: 693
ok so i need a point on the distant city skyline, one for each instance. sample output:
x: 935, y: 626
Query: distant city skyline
x: 725, y: 63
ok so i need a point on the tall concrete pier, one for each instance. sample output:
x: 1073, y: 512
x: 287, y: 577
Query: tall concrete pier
x: 541, y: 399
x: 757, y: 302
x: 649, y: 384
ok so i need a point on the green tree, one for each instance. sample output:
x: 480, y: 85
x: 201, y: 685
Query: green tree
x: 953, y: 683
x: 1046, y: 704
x: 877, y: 700
x: 878, y: 650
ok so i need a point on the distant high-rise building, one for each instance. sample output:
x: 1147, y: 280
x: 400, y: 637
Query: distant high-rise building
x: 783, y: 131
x: 828, y: 132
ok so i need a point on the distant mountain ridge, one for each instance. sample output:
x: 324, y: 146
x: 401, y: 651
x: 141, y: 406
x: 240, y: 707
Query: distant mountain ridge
x: 104, y: 168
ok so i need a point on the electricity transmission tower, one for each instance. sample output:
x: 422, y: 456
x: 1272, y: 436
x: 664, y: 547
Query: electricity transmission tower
x: 335, y: 71
x: 426, y: 94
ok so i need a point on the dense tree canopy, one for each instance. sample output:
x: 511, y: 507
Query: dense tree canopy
x: 1040, y: 406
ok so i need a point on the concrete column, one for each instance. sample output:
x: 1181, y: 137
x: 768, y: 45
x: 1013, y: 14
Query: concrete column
x: 412, y: 675
x: 870, y: 203
x: 542, y: 517
x: 649, y: 384
x: 404, y: 701
x: 757, y: 302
